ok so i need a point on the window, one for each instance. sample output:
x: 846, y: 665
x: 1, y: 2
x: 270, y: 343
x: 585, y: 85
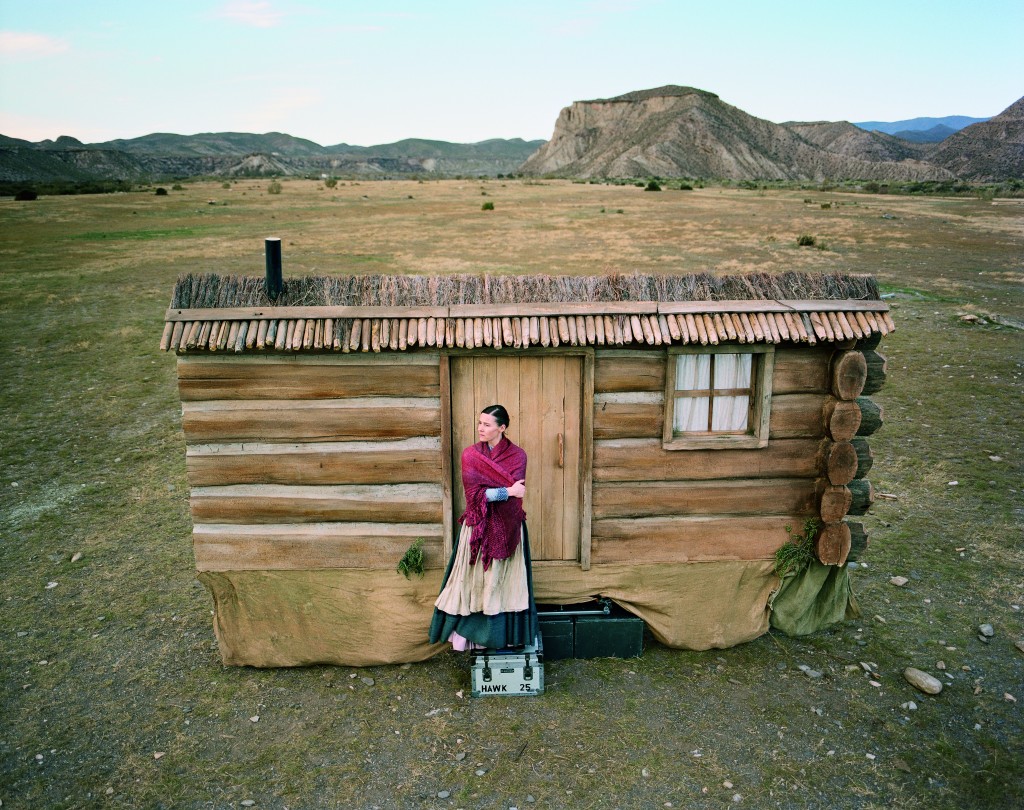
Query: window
x: 718, y: 396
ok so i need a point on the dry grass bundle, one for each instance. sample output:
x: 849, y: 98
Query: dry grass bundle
x: 213, y: 291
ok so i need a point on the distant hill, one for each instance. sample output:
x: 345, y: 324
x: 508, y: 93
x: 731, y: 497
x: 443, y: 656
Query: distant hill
x: 496, y: 148
x: 239, y: 154
x: 216, y: 143
x: 41, y: 164
x: 988, y: 151
x: 678, y: 131
x: 843, y: 138
x: 953, y: 122
x: 936, y: 134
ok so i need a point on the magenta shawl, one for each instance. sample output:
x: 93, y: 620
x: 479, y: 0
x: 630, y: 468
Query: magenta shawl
x: 497, y: 525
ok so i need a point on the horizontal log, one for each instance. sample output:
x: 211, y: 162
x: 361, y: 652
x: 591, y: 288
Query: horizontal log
x: 862, y: 496
x: 871, y: 419
x: 311, y: 420
x: 796, y: 416
x: 618, y: 420
x: 628, y: 371
x: 801, y: 370
x: 782, y: 496
x: 878, y: 367
x: 312, y: 546
x: 796, y: 370
x: 835, y: 503
x: 272, y: 503
x: 832, y: 545
x: 859, y: 541
x: 302, y: 313
x: 424, y: 358
x: 842, y: 419
x: 865, y: 458
x: 258, y: 380
x: 174, y: 314
x: 840, y: 463
x: 849, y: 372
x: 783, y: 306
x: 686, y: 539
x: 398, y: 462
x: 645, y: 460
x: 567, y: 308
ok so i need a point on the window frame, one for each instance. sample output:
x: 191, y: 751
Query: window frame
x: 762, y: 367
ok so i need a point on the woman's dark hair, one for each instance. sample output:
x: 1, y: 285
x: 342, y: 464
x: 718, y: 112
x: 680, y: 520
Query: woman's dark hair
x: 498, y: 412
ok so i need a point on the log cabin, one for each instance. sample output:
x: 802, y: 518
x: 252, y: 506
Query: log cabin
x: 676, y: 426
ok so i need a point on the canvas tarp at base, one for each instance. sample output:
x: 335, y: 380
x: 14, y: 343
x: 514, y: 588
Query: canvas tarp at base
x: 359, y: 617
x: 817, y: 597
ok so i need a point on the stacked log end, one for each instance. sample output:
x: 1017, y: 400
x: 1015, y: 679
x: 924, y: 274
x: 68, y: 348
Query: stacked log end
x: 849, y: 416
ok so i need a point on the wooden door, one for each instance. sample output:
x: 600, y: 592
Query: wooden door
x: 543, y: 396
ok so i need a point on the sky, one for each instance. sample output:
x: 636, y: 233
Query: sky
x: 379, y: 71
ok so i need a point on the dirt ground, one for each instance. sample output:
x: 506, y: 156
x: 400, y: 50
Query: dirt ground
x: 112, y: 693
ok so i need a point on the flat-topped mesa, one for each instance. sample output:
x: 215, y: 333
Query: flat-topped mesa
x: 668, y: 91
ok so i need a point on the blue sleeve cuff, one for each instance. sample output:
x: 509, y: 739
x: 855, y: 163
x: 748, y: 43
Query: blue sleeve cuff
x: 497, y: 494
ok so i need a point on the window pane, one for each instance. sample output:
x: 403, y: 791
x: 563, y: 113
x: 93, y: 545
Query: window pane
x: 691, y: 413
x: 730, y: 413
x: 732, y: 371
x: 693, y: 372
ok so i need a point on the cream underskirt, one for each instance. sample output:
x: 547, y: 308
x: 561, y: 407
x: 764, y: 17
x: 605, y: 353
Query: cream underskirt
x: 502, y: 588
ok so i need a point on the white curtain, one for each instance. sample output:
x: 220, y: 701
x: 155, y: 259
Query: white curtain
x: 731, y: 371
x: 693, y: 373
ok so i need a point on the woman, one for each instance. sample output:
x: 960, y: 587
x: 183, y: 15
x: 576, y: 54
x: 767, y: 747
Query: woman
x: 486, y: 599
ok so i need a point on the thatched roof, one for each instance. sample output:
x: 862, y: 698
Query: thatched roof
x: 381, y: 313
x: 210, y: 290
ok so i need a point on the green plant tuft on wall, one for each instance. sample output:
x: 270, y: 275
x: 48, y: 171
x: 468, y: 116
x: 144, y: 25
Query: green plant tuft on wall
x: 412, y: 560
x: 798, y: 553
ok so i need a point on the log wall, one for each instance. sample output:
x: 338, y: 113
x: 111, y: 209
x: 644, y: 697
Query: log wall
x: 660, y: 505
x: 314, y: 462
x: 671, y: 506
x: 300, y: 462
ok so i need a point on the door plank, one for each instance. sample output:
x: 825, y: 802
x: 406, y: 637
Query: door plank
x: 530, y: 397
x: 463, y: 425
x: 586, y: 457
x: 553, y: 409
x: 506, y: 393
x: 571, y: 469
x: 485, y: 379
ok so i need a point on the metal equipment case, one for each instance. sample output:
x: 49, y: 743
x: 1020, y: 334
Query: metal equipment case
x: 508, y: 672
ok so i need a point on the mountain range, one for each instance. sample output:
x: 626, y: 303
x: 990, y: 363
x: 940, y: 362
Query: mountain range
x: 921, y: 130
x: 234, y: 154
x: 668, y: 131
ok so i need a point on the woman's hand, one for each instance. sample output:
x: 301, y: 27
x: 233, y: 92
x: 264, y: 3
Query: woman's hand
x: 518, y: 489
